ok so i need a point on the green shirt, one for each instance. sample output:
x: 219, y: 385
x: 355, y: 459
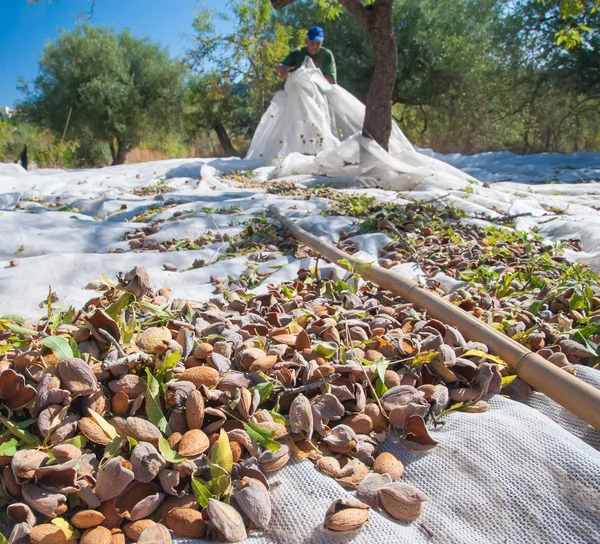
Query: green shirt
x: 323, y: 60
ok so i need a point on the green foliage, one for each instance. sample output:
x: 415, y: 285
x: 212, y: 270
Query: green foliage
x: 235, y: 72
x: 118, y: 87
x: 477, y: 75
x: 43, y: 145
x: 577, y: 15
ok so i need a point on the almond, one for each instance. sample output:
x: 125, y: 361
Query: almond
x: 187, y: 501
x: 203, y: 350
x: 380, y: 423
x: 194, y: 410
x: 120, y: 404
x: 329, y: 466
x: 174, y: 440
x: 359, y: 423
x: 117, y: 537
x: 47, y: 533
x: 346, y: 515
x: 92, y: 431
x: 428, y: 390
x: 387, y: 463
x: 186, y: 523
x: 77, y: 376
x: 193, y: 443
x: 200, y: 375
x: 402, y: 501
x: 97, y: 535
x: 155, y: 340
x: 236, y: 451
x: 157, y: 534
x: 264, y: 364
x: 134, y: 529
x: 87, y: 519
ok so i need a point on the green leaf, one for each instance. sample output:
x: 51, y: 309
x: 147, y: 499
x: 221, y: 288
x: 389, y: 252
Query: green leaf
x: 78, y: 441
x: 380, y: 387
x: 133, y: 442
x: 116, y: 308
x: 155, y: 310
x: 508, y: 380
x: 381, y: 365
x: 13, y: 317
x: 169, y: 363
x: 112, y: 449
x: 264, y: 389
x: 19, y: 330
x: 74, y: 347
x: 169, y: 453
x: 27, y: 423
x: 9, y: 448
x: 577, y: 300
x: 24, y: 435
x: 278, y: 418
x: 326, y: 350
x: 59, y: 346
x: 201, y: 492
x: 108, y: 281
x: 221, y: 455
x: 3, y: 539
x: 220, y: 486
x: 153, y: 407
x: 262, y: 436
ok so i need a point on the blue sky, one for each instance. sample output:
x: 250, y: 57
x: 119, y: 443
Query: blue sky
x: 25, y: 29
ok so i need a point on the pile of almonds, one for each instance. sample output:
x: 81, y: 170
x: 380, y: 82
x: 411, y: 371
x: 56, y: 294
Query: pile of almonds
x: 139, y: 417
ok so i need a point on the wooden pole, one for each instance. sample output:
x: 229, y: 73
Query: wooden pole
x: 569, y: 391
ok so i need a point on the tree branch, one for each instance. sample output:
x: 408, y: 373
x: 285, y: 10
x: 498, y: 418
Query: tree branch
x: 357, y: 9
x: 279, y: 4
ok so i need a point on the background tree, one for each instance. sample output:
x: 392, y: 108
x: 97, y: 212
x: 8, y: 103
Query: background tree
x: 116, y: 86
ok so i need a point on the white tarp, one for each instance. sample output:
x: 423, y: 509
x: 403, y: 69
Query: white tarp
x: 516, y: 474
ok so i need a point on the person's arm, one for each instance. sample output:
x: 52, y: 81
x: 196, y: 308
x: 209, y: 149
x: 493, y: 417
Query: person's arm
x: 283, y: 70
x: 287, y: 64
x: 329, y: 69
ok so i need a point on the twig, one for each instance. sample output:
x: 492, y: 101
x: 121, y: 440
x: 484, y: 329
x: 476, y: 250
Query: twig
x: 129, y: 360
x: 285, y: 391
x: 113, y: 341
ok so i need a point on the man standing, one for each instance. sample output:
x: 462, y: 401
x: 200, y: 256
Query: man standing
x: 321, y: 56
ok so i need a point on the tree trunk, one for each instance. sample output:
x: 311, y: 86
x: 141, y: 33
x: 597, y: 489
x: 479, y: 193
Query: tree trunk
x: 378, y: 118
x: 121, y: 153
x: 113, y: 151
x: 224, y: 140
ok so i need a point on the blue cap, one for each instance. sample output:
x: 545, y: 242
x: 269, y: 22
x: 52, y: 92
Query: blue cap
x: 316, y: 34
